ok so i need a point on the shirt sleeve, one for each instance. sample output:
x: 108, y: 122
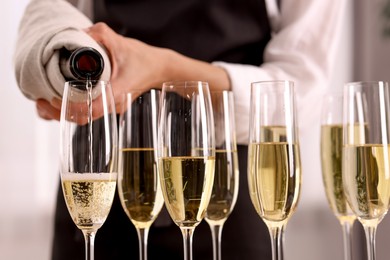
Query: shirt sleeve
x: 46, y: 27
x: 302, y: 49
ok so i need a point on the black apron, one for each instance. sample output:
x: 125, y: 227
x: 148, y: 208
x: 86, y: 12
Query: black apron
x: 234, y: 31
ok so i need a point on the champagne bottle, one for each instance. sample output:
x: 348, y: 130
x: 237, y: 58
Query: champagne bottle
x: 82, y: 63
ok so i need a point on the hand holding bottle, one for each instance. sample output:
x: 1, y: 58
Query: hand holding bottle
x: 83, y: 63
x: 137, y: 65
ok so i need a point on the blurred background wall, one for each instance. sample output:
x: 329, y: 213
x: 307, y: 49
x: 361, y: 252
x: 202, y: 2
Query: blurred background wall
x: 29, y: 150
x: 28, y: 158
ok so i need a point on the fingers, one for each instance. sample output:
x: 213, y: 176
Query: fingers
x: 77, y: 112
x: 47, y: 111
x: 106, y: 37
x: 103, y: 34
x: 83, y: 113
x: 56, y: 103
x: 99, y: 29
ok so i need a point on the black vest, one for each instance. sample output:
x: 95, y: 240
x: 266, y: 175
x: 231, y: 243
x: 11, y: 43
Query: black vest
x: 210, y: 30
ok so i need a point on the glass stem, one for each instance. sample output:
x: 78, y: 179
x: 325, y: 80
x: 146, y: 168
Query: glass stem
x: 216, y: 232
x: 187, y: 242
x: 347, y: 238
x: 89, y: 238
x: 370, y: 232
x: 143, y: 242
x: 277, y: 233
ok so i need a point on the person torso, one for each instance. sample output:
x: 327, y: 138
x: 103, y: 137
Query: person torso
x: 234, y: 31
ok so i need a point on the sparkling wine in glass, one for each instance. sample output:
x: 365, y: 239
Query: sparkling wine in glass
x: 274, y: 168
x: 366, y: 154
x: 186, y: 154
x: 88, y: 155
x: 225, y: 187
x: 138, y: 183
x: 331, y: 161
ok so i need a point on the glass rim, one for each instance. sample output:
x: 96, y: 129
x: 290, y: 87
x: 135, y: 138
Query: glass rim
x: 184, y: 83
x: 79, y: 81
x: 363, y: 86
x: 363, y: 82
x: 220, y: 91
x: 139, y: 90
x: 277, y: 81
x: 273, y: 86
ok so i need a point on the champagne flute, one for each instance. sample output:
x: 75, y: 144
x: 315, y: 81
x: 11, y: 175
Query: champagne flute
x: 225, y: 188
x: 366, y: 159
x: 186, y: 154
x: 88, y: 155
x: 331, y: 161
x: 274, y: 168
x: 138, y: 182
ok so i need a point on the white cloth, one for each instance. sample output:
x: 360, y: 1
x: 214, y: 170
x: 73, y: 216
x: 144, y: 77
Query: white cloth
x: 36, y: 57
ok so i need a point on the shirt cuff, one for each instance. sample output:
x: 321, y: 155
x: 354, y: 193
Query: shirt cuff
x: 241, y: 76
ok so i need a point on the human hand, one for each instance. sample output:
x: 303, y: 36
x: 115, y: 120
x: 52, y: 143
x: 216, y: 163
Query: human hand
x: 135, y: 65
x: 49, y: 110
x: 52, y: 110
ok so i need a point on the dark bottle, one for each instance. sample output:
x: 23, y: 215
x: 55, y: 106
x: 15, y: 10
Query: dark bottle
x: 83, y: 63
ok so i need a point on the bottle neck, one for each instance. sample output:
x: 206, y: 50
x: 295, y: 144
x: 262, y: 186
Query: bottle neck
x: 83, y: 63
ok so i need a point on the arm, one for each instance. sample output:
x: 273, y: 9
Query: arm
x: 46, y: 27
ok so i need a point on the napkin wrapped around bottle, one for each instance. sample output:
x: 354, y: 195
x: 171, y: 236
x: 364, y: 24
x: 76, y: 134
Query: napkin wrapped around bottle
x: 47, y: 27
